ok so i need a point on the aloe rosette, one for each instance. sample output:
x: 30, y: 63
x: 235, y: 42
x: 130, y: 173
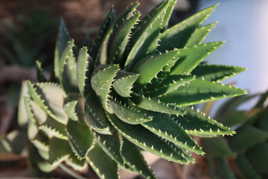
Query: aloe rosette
x: 132, y: 91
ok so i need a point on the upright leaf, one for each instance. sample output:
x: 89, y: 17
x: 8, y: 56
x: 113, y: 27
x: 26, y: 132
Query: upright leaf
x: 82, y: 68
x: 145, y: 36
x: 178, y: 35
x: 199, y: 35
x: 102, y: 81
x: 63, y: 38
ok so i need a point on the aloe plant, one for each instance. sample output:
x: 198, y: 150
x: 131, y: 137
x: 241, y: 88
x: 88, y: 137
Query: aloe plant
x: 247, y: 151
x: 132, y: 91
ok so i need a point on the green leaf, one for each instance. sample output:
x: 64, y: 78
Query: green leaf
x: 122, y: 32
x: 22, y: 112
x: 101, y: 163
x: 192, y: 56
x: 69, y: 77
x: 53, y: 128
x: 104, y: 31
x: 178, y: 35
x: 129, y: 114
x: 247, y: 137
x: 82, y: 68
x: 95, y: 116
x: 53, y: 97
x: 150, y: 66
x: 59, y: 151
x: 110, y: 144
x: 70, y: 110
x: 216, y: 73
x: 149, y: 142
x: 169, y: 10
x: 102, y: 81
x: 38, y: 115
x: 200, y: 91
x: 153, y: 104
x: 199, y: 35
x: 165, y: 127
x: 124, y: 83
x: 75, y: 163
x: 169, y: 84
x: 198, y: 124
x: 144, y: 39
x: 133, y: 158
x: 80, y: 138
x: 62, y: 40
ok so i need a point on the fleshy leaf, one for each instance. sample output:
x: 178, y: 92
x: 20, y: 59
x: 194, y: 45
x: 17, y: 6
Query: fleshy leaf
x: 150, y: 66
x: 75, y: 163
x: 200, y: 91
x: 69, y: 77
x: 216, y: 73
x: 123, y: 29
x: 148, y: 141
x: 82, y: 67
x: 165, y: 127
x: 191, y: 57
x: 171, y: 83
x: 178, y: 35
x: 133, y: 158
x: 144, y: 39
x: 110, y: 144
x: 102, y: 81
x: 199, y: 35
x: 59, y: 150
x: 153, y: 104
x: 62, y: 40
x: 53, y: 96
x: 70, y: 110
x: 95, y: 117
x: 124, y: 83
x: 80, y: 138
x: 53, y: 128
x: 198, y: 124
x: 101, y: 163
x: 22, y: 112
x: 104, y: 29
x: 129, y: 114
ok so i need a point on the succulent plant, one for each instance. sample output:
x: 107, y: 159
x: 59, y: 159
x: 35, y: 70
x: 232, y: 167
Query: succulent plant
x: 245, y: 154
x: 132, y: 91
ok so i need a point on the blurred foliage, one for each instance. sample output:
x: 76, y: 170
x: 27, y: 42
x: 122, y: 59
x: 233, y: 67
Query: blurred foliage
x: 244, y: 155
x: 28, y: 39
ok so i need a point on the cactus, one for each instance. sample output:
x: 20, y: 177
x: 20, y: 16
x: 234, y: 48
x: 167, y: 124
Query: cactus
x: 247, y: 150
x: 132, y: 91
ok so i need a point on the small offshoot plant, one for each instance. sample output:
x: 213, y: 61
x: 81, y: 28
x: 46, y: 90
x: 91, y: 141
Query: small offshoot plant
x: 245, y: 155
x: 132, y: 91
